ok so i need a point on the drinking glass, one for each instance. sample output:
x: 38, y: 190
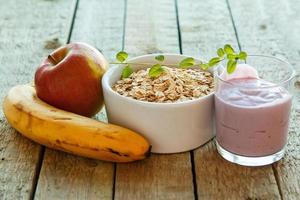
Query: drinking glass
x: 252, y: 114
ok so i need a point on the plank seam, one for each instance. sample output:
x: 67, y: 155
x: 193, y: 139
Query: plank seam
x: 178, y: 27
x: 124, y: 24
x: 276, y: 174
x: 37, y: 172
x: 123, y: 47
x: 195, y: 187
x: 73, y: 21
x: 233, y: 24
x: 43, y: 149
x: 114, y: 181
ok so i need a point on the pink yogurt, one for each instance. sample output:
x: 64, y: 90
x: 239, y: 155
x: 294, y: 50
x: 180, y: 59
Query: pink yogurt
x: 252, y: 115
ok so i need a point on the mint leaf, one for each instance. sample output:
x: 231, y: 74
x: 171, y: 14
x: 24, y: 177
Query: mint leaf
x: 214, y: 61
x: 187, y: 62
x: 160, y: 58
x: 127, y: 71
x: 156, y: 70
x: 242, y: 55
x: 227, y: 52
x: 231, y: 65
x: 220, y: 52
x: 228, y: 49
x: 121, y: 56
x: 231, y: 56
x: 204, y: 66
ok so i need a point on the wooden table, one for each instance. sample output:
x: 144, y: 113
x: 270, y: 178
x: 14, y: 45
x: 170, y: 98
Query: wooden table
x: 31, y: 29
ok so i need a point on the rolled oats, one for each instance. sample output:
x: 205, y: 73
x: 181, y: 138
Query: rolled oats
x: 174, y: 85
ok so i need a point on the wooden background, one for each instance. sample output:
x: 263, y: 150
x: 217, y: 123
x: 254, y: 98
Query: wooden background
x: 31, y: 29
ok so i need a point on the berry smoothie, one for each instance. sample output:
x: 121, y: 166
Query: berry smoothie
x: 252, y: 116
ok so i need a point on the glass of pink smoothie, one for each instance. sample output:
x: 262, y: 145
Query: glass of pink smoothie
x: 252, y: 108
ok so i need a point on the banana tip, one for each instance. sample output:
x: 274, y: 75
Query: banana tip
x: 148, y: 153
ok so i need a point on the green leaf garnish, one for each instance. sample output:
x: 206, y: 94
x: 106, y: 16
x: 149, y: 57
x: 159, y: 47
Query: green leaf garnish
x: 227, y: 53
x: 243, y: 55
x: 228, y: 49
x: 220, y: 52
x: 187, y: 62
x: 231, y: 65
x: 231, y: 56
x: 127, y: 71
x: 121, y: 56
x: 204, y: 66
x: 160, y: 58
x: 156, y: 70
x: 214, y: 61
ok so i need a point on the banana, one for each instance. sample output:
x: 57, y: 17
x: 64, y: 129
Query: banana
x: 70, y: 132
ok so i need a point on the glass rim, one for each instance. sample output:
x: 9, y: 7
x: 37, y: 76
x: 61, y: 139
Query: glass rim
x: 291, y: 68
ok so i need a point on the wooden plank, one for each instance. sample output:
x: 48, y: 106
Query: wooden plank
x: 273, y: 30
x: 202, y: 34
x: 100, y: 23
x: 64, y: 176
x: 158, y: 177
x: 150, y: 28
x: 26, y: 30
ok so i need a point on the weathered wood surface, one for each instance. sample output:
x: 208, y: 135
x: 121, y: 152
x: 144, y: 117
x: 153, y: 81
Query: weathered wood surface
x: 27, y: 34
x: 201, y: 35
x: 24, y: 28
x: 159, y: 177
x: 274, y: 29
x: 150, y: 28
x: 63, y: 176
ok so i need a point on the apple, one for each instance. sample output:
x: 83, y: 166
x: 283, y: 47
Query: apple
x: 70, y: 79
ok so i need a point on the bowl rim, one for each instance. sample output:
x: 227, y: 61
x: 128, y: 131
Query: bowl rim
x: 106, y: 86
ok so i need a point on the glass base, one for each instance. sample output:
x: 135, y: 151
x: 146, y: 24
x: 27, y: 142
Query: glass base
x: 250, y: 161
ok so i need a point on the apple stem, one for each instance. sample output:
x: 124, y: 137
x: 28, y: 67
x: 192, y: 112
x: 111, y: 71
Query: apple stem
x: 50, y: 57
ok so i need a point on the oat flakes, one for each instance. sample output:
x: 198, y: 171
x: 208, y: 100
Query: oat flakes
x: 174, y: 85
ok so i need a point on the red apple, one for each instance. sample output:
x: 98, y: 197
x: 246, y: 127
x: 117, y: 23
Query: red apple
x: 70, y: 79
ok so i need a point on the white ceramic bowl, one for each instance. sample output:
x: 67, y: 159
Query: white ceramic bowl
x: 170, y: 127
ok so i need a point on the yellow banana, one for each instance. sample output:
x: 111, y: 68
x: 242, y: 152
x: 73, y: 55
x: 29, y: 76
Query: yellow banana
x: 70, y: 132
